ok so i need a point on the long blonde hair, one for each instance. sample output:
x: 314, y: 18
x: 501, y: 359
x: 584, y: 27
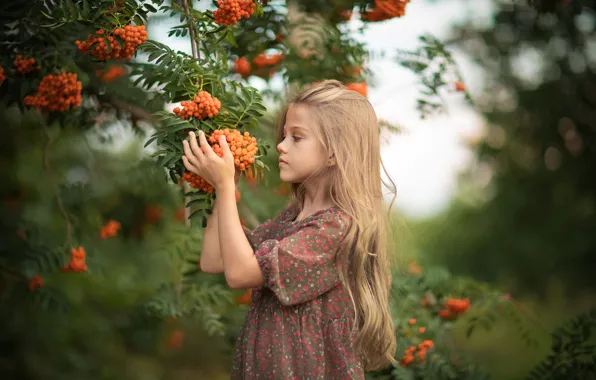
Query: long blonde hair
x: 347, y: 127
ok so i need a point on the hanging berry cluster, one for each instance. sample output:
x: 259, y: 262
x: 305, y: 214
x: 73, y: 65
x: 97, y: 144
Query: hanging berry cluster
x: 110, y: 229
x: 77, y: 262
x: 454, y: 307
x: 56, y: 93
x: 197, y: 182
x: 2, y: 76
x: 385, y: 10
x: 243, y: 146
x: 264, y: 65
x: 25, y: 65
x: 416, y: 353
x: 113, y: 73
x: 201, y: 107
x: 131, y: 36
x: 361, y: 88
x: 229, y: 12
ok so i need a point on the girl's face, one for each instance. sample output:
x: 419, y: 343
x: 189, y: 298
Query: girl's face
x: 300, y: 152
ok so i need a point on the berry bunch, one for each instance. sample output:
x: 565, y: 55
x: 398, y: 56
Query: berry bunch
x: 243, y: 146
x: 114, y: 72
x: 77, y: 261
x: 2, y: 76
x: 197, y: 182
x: 201, y: 107
x: 360, y: 88
x: 242, y: 67
x: 56, y: 93
x: 110, y: 229
x: 229, y: 12
x: 35, y: 283
x: 25, y: 66
x: 419, y: 351
x: 131, y: 36
x: 385, y: 10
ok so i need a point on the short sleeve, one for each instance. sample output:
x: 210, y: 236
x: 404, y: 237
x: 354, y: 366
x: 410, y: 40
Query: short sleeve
x: 301, y: 267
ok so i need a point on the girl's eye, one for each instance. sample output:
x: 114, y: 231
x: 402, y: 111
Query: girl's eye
x: 296, y: 138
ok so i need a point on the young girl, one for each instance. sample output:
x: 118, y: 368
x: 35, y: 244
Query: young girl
x: 320, y: 270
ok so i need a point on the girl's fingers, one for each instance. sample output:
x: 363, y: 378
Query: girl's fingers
x: 190, y: 167
x: 194, y: 146
x: 223, y: 143
x: 189, y: 154
x: 205, y: 145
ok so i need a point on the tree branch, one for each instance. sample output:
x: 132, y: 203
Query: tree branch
x: 136, y: 111
x: 196, y: 53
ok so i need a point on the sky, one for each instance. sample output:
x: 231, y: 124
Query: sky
x: 424, y: 160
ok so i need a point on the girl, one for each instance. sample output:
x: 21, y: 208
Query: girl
x: 320, y: 303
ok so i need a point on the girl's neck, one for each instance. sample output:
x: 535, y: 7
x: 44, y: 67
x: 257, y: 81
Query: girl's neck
x: 314, y: 200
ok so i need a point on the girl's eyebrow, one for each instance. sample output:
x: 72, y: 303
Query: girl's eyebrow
x: 296, y: 127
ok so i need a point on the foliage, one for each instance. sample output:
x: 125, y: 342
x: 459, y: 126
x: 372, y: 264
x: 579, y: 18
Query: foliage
x: 427, y: 304
x: 93, y: 234
x: 437, y: 70
x: 572, y: 353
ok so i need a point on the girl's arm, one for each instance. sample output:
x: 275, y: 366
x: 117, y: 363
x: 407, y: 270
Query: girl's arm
x: 241, y: 267
x: 211, y: 261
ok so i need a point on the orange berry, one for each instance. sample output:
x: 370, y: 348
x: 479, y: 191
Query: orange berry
x: 460, y: 87
x: 201, y: 107
x: 245, y: 299
x: 242, y: 67
x: 2, y: 76
x: 229, y: 12
x: 175, y: 339
x: 412, y: 321
x: 35, y: 283
x: 361, y: 88
x: 110, y: 229
x: 56, y: 93
x: 77, y: 262
x: 25, y: 66
x: 132, y: 37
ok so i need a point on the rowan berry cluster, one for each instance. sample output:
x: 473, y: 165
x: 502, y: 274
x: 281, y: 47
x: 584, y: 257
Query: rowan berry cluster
x: 197, y: 182
x: 418, y: 352
x: 56, y: 93
x: 25, y: 65
x: 113, y: 73
x: 77, y: 261
x: 201, y: 107
x: 229, y: 12
x: 131, y: 36
x: 385, y: 10
x: 110, y: 229
x: 361, y: 88
x: 243, y: 146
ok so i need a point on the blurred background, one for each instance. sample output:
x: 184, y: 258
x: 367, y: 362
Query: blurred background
x: 499, y: 192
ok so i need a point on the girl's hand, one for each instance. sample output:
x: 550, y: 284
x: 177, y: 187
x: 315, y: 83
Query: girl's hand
x: 204, y: 162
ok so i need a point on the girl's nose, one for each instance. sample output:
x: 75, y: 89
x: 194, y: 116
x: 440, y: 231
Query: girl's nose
x: 280, y: 148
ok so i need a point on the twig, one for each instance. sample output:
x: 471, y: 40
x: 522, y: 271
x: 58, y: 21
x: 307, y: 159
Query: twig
x: 48, y: 167
x: 135, y: 111
x: 196, y: 53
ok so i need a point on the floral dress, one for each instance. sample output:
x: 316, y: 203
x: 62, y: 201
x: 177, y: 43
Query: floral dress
x: 299, y: 323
